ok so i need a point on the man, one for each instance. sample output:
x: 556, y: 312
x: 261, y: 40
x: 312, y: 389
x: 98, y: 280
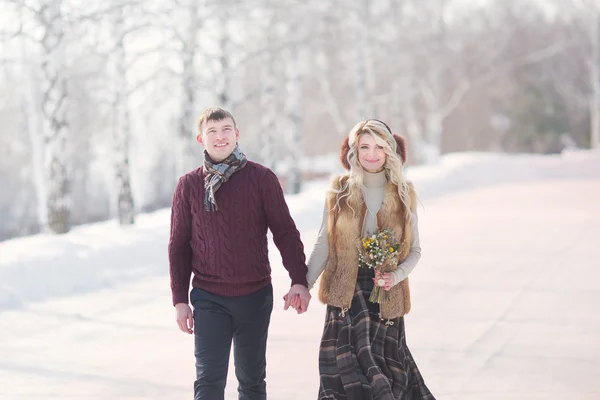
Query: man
x: 219, y: 221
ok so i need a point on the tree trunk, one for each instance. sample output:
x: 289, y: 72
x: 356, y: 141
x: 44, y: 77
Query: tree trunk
x: 34, y: 127
x: 54, y: 120
x: 188, y: 157
x: 362, y: 63
x: 121, y: 125
x: 432, y: 149
x: 434, y: 119
x: 324, y: 76
x: 268, y: 113
x: 294, y: 57
x: 416, y: 144
x: 594, y: 66
x: 224, y: 73
x: 267, y: 101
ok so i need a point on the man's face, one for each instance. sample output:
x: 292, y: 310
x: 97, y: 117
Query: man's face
x: 219, y: 138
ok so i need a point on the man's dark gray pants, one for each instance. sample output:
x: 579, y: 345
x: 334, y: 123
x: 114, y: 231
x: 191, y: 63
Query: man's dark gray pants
x: 217, y: 321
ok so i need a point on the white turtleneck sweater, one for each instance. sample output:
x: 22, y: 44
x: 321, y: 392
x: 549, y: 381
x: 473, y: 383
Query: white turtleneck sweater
x: 373, y: 191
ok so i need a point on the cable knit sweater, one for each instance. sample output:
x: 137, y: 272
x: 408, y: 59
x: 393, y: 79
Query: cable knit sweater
x: 227, y: 250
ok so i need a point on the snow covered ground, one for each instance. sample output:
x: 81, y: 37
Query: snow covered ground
x: 504, y: 299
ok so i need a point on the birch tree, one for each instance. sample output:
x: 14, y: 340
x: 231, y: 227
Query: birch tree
x: 324, y: 53
x: 585, y: 26
x: 324, y: 75
x: 295, y: 55
x: 449, y: 66
x: 594, y: 68
x: 268, y: 110
x: 121, y: 119
x: 224, y: 70
x: 187, y: 158
x: 32, y: 102
x: 56, y: 194
x: 588, y: 16
x: 363, y: 59
x: 403, y: 92
x: 181, y: 23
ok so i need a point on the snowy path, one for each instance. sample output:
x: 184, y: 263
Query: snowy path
x: 504, y: 307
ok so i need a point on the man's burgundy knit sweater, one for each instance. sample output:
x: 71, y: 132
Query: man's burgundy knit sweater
x: 227, y: 250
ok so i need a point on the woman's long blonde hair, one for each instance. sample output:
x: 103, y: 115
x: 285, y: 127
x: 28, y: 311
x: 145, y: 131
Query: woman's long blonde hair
x: 351, y: 188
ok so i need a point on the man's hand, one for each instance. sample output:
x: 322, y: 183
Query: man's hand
x: 184, y: 317
x: 298, y: 297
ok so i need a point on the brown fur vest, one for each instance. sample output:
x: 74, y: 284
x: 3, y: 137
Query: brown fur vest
x: 344, y: 229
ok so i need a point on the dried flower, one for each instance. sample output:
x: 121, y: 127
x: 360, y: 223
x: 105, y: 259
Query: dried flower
x: 376, y: 251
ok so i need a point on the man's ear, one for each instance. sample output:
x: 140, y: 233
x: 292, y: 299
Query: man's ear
x: 199, y: 139
x: 237, y: 134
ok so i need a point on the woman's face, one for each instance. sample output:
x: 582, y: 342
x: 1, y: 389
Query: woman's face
x: 370, y: 155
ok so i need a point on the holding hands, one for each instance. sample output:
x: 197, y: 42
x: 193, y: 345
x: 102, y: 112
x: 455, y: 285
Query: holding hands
x: 298, y: 297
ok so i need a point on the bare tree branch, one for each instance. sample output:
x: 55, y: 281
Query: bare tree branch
x: 24, y: 5
x: 427, y: 92
x: 456, y: 97
x: 102, y: 13
x: 161, y: 47
x: 531, y: 58
x: 140, y: 84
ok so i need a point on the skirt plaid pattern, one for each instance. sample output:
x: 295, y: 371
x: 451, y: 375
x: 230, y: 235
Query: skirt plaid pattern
x: 365, y: 358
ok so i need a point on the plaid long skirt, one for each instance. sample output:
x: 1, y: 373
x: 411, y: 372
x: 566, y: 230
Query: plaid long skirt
x: 364, y: 358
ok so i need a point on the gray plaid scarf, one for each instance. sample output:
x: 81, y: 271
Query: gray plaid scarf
x: 217, y: 174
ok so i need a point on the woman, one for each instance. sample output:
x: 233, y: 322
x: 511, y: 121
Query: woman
x: 363, y: 353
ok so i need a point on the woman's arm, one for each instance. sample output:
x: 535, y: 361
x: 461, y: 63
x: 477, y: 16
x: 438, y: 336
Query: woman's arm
x: 318, y: 258
x: 406, y: 267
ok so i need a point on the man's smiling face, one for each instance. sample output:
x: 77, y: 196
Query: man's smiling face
x: 219, y: 138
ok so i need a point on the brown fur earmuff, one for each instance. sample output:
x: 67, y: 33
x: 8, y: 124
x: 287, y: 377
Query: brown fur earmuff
x: 400, y: 149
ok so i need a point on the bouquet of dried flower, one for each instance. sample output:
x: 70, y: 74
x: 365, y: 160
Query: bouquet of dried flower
x: 375, y: 252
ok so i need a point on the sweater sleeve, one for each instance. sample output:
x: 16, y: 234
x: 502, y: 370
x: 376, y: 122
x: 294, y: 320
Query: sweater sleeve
x: 318, y: 258
x: 285, y: 234
x: 180, y: 251
x: 406, y: 266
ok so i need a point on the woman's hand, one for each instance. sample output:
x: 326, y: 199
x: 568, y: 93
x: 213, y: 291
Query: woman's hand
x: 298, y: 297
x: 387, y: 277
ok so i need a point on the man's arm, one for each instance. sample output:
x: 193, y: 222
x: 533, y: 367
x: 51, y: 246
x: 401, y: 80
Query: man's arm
x: 287, y: 239
x: 180, y: 256
x: 180, y: 251
x: 285, y: 234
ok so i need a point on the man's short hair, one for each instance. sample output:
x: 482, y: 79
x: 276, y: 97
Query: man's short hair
x: 214, y: 114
